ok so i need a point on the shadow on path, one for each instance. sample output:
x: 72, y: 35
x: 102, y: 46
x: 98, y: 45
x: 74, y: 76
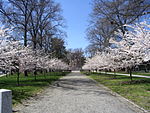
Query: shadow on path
x: 76, y: 93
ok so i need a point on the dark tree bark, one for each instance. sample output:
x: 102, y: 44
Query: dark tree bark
x: 114, y: 73
x: 130, y: 71
x: 18, y: 77
x: 35, y: 74
x: 26, y: 73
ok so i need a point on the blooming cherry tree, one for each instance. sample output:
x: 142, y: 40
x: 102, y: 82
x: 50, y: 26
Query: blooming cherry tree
x: 133, y: 49
x: 14, y: 56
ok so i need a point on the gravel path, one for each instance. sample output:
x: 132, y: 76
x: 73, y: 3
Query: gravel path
x: 77, y: 93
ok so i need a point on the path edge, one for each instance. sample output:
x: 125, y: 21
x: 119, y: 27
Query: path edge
x: 24, y: 103
x: 123, y: 99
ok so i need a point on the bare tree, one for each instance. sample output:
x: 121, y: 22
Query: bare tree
x: 45, y: 22
x: 110, y: 15
x: 17, y: 13
x: 98, y: 36
x: 35, y: 20
x: 120, y: 12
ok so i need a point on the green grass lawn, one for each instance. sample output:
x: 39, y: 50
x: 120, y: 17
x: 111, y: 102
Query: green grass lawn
x: 137, y: 91
x: 28, y: 86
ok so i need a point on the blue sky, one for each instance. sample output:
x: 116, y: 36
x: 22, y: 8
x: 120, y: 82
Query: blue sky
x: 76, y: 14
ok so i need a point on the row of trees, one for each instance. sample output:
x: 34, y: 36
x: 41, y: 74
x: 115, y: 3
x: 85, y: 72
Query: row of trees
x: 32, y: 31
x: 15, y: 57
x: 109, y: 16
x: 38, y: 23
x: 133, y: 49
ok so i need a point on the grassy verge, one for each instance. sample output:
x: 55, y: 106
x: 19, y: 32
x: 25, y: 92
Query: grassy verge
x: 137, y: 91
x: 136, y: 73
x: 28, y: 86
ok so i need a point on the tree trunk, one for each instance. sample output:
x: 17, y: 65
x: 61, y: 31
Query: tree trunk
x: 99, y: 71
x: 45, y: 74
x: 130, y: 70
x: 41, y: 71
x: 25, y: 36
x: 96, y: 70
x: 105, y: 72
x: 26, y: 73
x: 146, y: 69
x: 114, y: 73
x: 18, y: 77
x: 11, y: 72
x: 35, y: 73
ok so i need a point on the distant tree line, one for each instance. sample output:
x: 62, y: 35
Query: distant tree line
x: 75, y: 58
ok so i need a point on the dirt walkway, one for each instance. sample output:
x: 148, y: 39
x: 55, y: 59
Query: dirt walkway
x: 77, y: 93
